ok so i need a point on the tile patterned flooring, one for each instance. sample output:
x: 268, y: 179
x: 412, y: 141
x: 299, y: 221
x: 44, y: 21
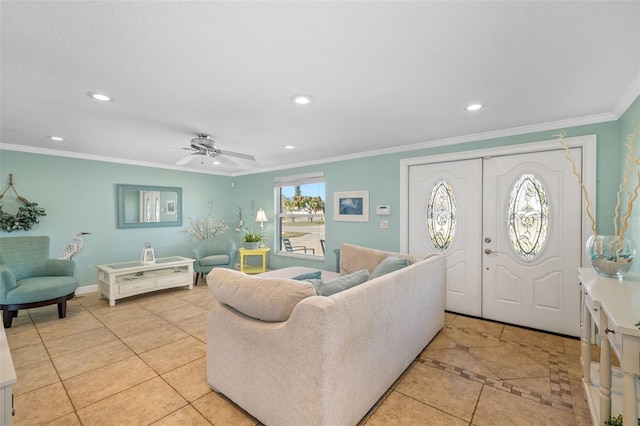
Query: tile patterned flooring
x: 143, y: 362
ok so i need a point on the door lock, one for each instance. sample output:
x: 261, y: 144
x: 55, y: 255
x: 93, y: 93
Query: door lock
x: 487, y: 240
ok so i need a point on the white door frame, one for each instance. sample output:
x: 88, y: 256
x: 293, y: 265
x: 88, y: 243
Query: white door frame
x: 588, y: 143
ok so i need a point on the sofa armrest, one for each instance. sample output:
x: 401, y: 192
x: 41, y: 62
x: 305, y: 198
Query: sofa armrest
x: 7, y: 282
x: 59, y: 267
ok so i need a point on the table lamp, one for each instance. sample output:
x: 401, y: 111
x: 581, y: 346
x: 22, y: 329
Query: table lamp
x: 262, y: 218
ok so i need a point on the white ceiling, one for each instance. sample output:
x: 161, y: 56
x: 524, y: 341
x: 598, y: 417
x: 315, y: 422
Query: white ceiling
x: 385, y: 76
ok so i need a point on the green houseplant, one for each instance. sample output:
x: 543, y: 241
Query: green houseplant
x: 616, y: 421
x: 251, y: 240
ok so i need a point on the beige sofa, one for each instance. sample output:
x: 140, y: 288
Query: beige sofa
x: 333, y: 358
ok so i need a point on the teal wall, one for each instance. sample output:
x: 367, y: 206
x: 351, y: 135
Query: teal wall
x: 628, y: 123
x: 79, y: 195
x: 380, y: 175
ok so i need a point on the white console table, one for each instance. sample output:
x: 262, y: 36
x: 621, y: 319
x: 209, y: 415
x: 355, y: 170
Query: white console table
x: 7, y: 379
x: 614, y: 307
x: 119, y: 280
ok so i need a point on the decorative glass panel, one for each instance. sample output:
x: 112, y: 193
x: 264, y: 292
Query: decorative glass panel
x: 441, y: 215
x: 528, y: 216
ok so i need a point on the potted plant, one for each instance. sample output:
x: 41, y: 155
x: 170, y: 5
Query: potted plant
x: 251, y: 241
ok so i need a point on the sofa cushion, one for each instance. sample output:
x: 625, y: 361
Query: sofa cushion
x: 336, y: 285
x: 390, y: 264
x: 266, y: 299
x: 308, y: 276
x: 213, y: 260
x: 354, y: 258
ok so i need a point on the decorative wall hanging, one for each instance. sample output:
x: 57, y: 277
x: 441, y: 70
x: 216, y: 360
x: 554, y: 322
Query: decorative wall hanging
x: 25, y: 218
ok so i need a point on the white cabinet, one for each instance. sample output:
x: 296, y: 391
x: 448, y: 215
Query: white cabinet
x: 119, y: 280
x: 613, y: 307
x: 7, y: 379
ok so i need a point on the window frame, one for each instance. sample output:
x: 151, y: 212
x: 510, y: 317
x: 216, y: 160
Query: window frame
x: 290, y: 181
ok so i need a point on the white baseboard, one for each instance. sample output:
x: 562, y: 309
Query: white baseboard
x: 87, y: 289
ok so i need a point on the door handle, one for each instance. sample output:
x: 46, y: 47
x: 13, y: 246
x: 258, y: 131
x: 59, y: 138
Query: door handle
x: 489, y: 251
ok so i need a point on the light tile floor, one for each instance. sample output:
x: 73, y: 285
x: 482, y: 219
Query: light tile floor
x: 143, y: 362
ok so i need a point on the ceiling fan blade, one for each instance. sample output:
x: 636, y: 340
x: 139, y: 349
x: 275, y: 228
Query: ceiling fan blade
x: 202, y: 141
x: 185, y: 160
x: 200, y: 145
x: 239, y: 155
x: 226, y: 161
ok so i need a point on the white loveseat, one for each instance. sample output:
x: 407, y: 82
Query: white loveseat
x: 333, y: 358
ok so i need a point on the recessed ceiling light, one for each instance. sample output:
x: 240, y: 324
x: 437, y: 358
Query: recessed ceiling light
x: 216, y: 163
x: 99, y: 96
x: 302, y: 99
x: 472, y: 107
x: 56, y: 138
x: 289, y: 147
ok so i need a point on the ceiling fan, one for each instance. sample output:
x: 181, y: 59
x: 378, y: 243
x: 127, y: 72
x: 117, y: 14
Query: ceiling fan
x: 204, y: 145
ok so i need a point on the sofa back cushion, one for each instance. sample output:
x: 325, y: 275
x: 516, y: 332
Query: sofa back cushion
x: 390, y: 264
x: 341, y: 283
x: 266, y: 299
x: 354, y: 258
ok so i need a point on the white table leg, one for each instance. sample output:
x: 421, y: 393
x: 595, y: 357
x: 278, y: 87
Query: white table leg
x: 605, y: 371
x: 586, y: 343
x: 629, y: 400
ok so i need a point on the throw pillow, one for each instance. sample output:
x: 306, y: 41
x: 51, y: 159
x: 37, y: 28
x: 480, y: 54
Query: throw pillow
x: 390, y: 264
x: 308, y: 276
x: 336, y: 285
x: 354, y: 258
x: 266, y: 299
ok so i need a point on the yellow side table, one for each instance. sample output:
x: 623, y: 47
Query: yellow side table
x: 248, y: 269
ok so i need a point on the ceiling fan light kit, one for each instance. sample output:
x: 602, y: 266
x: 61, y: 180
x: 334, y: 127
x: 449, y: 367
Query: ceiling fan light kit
x: 203, y: 145
x: 99, y: 97
x: 302, y: 99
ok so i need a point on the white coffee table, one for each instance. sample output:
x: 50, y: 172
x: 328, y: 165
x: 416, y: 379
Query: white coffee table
x: 119, y: 280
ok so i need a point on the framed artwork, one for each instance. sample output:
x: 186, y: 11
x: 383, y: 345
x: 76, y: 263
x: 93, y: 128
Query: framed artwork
x: 171, y: 207
x: 351, y: 206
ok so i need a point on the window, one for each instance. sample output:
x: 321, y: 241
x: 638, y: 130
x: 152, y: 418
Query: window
x: 441, y: 215
x: 301, y: 222
x: 528, y: 216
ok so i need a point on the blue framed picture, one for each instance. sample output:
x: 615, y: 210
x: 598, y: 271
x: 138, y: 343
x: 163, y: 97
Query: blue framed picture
x: 351, y: 206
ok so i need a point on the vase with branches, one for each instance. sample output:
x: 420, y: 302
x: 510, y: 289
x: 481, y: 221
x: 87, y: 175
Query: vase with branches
x: 612, y: 255
x: 208, y: 227
x: 204, y: 228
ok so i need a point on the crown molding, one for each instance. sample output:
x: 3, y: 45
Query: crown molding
x: 515, y: 131
x: 92, y: 157
x: 628, y: 97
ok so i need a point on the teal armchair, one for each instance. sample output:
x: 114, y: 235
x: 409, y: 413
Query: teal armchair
x: 29, y: 279
x: 216, y: 252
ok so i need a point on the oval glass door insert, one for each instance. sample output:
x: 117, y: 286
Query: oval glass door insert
x: 528, y: 216
x: 441, y: 215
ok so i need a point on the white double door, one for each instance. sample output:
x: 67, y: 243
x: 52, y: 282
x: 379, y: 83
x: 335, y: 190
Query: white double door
x: 526, y: 275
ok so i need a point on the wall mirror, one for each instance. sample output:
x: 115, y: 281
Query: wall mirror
x: 146, y: 206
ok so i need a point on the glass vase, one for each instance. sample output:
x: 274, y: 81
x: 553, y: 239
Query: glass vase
x: 610, y: 256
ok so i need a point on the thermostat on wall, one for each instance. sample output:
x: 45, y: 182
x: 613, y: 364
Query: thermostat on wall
x: 383, y: 210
